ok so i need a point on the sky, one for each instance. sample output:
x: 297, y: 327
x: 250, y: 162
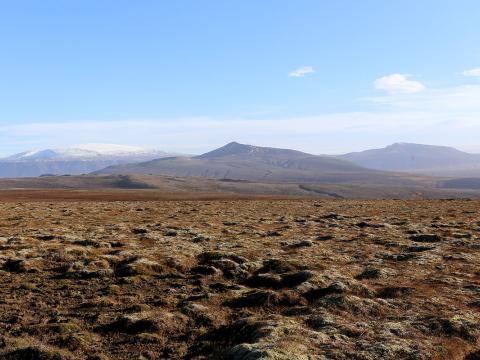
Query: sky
x: 324, y: 77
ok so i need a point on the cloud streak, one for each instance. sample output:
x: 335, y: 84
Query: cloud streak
x: 302, y: 71
x: 327, y: 133
x: 472, y: 72
x: 459, y: 100
x: 449, y: 116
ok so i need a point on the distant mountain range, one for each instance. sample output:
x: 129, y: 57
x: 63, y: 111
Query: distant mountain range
x: 79, y: 159
x: 417, y: 158
x: 395, y: 165
x: 254, y: 163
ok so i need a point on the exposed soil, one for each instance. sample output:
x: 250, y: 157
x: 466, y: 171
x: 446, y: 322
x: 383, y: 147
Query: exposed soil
x: 239, y: 279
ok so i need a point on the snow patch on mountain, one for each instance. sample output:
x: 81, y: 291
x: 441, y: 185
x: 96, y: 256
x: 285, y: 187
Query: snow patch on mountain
x: 86, y: 151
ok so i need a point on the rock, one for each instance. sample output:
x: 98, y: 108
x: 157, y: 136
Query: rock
x: 146, y: 322
x: 86, y: 274
x: 200, y: 238
x: 204, y: 270
x: 199, y: 313
x: 267, y: 280
x: 149, y: 338
x: 325, y: 237
x: 352, y: 304
x: 31, y: 265
x: 272, y: 338
x: 475, y: 355
x: 46, y: 237
x: 272, y: 233
x: 334, y: 216
x: 467, y: 235
x: 318, y: 322
x: 456, y: 326
x: 139, y: 308
x: 137, y: 266
x: 252, y: 352
x: 425, y: 238
x: 370, y: 274
x: 334, y: 288
x: 475, y: 304
x: 222, y: 287
x: 301, y: 244
x: 396, y: 328
x: 277, y: 266
x: 207, y: 256
x: 265, y: 298
x: 224, y: 264
x: 170, y: 232
x: 60, y: 328
x: 419, y: 248
x: 93, y: 243
x: 139, y: 231
x: 256, y: 298
x: 232, y: 266
x: 364, y: 224
x: 15, y: 265
x: 296, y: 278
x: 400, y: 257
x: 277, y: 281
x: 230, y: 269
x: 392, y: 292
x: 36, y: 353
x: 133, y: 325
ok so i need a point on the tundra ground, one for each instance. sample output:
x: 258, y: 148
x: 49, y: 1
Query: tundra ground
x: 240, y: 279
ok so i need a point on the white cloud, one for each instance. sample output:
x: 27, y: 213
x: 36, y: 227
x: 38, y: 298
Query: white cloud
x: 302, y: 71
x: 458, y: 99
x: 398, y: 84
x: 472, y: 72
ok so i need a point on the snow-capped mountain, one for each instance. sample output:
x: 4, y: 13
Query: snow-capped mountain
x: 86, y: 151
x: 74, y: 160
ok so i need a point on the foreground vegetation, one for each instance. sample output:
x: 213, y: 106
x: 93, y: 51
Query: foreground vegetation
x: 268, y: 279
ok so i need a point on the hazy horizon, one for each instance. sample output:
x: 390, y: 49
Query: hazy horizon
x: 127, y: 147
x: 324, y: 78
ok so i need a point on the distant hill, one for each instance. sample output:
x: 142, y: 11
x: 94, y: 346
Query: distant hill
x: 73, y: 160
x: 255, y: 163
x: 427, y: 159
x: 461, y: 183
x: 158, y: 187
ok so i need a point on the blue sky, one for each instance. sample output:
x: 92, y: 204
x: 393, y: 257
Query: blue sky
x: 320, y: 76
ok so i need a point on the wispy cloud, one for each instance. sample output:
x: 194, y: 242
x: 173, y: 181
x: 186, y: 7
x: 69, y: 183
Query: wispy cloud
x: 398, y: 84
x: 472, y: 72
x: 449, y: 116
x: 302, y: 71
x: 462, y: 99
x: 325, y: 133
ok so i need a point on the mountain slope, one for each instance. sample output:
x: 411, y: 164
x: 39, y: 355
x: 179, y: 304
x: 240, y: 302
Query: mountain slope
x: 428, y: 159
x: 254, y: 163
x: 74, y: 160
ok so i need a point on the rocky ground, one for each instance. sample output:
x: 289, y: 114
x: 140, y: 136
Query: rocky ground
x: 269, y: 279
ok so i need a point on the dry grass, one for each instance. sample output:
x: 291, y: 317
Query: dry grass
x: 238, y: 279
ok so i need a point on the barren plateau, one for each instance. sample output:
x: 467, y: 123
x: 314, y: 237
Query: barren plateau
x: 240, y: 279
